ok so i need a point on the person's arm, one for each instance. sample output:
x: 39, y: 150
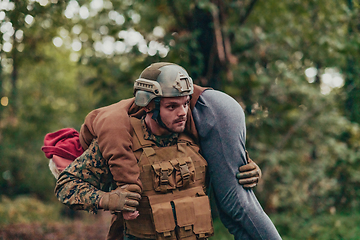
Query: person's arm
x: 220, y: 122
x: 111, y: 126
x: 85, y: 185
x: 84, y: 182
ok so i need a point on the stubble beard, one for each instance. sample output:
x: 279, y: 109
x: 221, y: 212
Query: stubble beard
x: 178, y: 129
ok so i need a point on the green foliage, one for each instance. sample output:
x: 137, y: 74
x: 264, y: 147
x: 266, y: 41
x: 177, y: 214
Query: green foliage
x: 220, y: 232
x: 48, y: 99
x: 25, y: 209
x: 306, y: 140
x: 322, y: 227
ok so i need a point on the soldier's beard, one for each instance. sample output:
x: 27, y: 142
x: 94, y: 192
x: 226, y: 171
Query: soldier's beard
x: 177, y: 126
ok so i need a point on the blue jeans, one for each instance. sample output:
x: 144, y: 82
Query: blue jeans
x: 220, y: 122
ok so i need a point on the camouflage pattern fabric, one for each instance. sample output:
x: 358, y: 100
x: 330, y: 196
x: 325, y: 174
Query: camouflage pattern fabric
x: 81, y: 185
x: 160, y: 141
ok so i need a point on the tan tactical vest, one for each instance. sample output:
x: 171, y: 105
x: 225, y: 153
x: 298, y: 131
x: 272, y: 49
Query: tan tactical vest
x: 173, y: 204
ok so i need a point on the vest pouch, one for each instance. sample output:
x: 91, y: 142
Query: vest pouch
x: 164, y: 222
x: 185, y: 217
x: 193, y: 215
x: 163, y: 177
x: 203, y: 227
x: 184, y: 171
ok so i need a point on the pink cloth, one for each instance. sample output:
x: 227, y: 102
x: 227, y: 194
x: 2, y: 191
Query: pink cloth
x: 63, y: 143
x: 61, y: 163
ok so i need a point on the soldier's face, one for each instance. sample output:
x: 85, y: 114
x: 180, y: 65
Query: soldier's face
x: 173, y: 112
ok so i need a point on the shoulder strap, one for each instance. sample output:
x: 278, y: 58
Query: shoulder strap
x: 185, y: 138
x: 138, y: 135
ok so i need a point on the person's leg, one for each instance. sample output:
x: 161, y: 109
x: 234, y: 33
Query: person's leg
x: 220, y: 122
x: 233, y: 227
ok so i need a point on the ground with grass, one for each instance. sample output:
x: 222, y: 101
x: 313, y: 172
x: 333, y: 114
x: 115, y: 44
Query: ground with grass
x: 26, y: 218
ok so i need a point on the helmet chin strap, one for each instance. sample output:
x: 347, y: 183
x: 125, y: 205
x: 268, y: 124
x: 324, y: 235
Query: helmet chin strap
x: 156, y: 115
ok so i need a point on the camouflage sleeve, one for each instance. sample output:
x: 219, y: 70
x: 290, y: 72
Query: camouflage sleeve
x: 82, y: 184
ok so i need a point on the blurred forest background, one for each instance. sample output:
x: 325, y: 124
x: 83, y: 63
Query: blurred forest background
x: 294, y: 66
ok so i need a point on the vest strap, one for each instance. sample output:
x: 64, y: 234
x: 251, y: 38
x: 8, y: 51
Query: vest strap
x: 184, y: 171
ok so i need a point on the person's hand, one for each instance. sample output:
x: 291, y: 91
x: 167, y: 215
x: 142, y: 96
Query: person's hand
x: 124, y: 198
x: 249, y: 174
x: 130, y: 215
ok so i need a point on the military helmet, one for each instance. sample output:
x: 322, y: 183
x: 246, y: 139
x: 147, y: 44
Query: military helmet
x: 162, y: 80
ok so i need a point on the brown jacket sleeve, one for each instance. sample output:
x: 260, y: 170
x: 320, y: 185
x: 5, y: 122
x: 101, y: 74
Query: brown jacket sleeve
x: 111, y: 125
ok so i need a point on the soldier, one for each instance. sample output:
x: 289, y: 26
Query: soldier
x: 156, y: 85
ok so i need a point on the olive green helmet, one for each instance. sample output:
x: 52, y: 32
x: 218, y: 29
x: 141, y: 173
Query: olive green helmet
x: 162, y: 80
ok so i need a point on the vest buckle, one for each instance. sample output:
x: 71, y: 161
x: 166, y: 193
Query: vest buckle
x: 184, y: 171
x: 164, y: 177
